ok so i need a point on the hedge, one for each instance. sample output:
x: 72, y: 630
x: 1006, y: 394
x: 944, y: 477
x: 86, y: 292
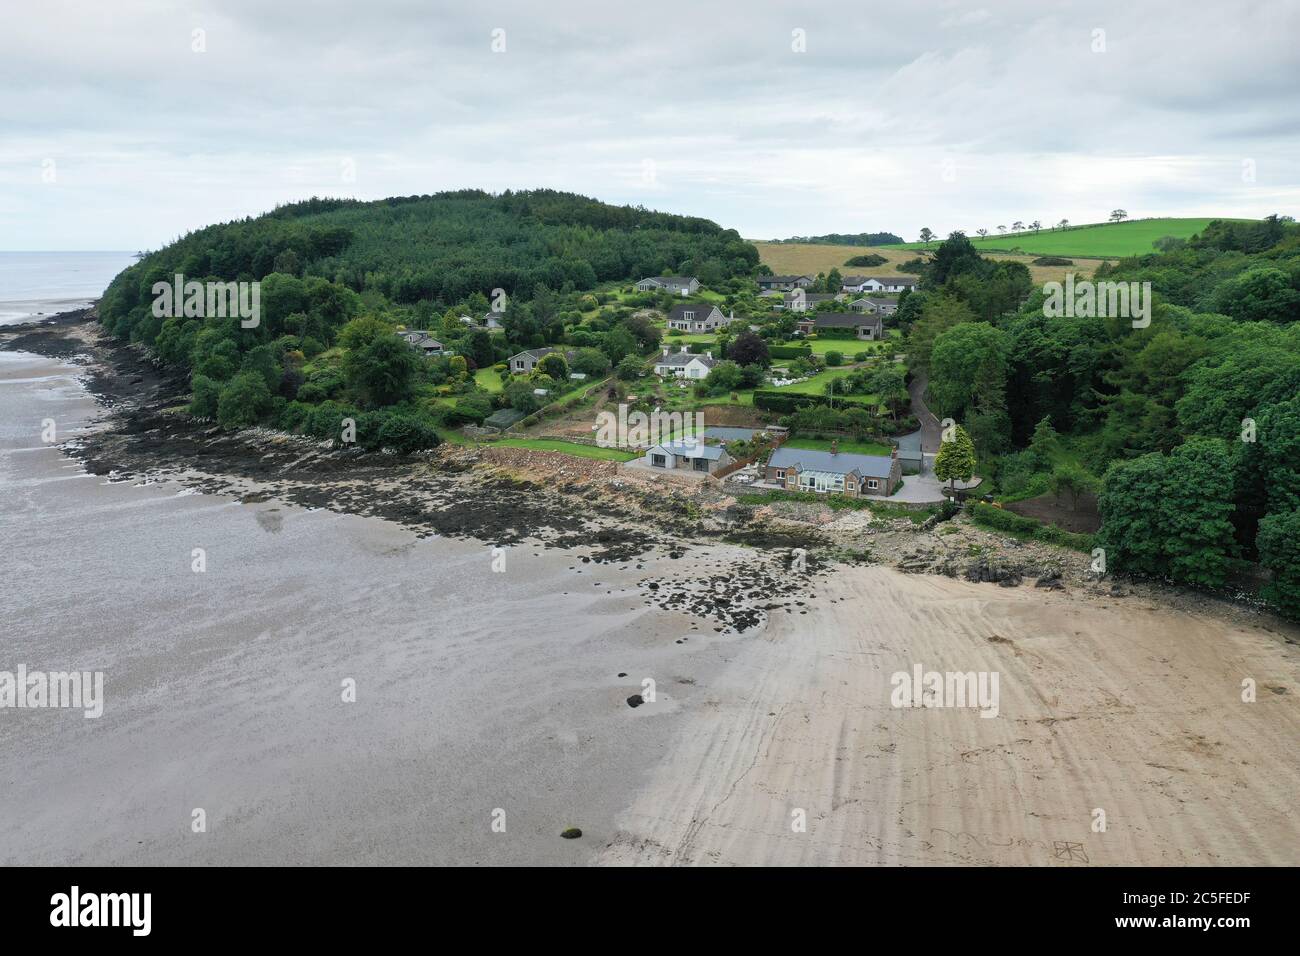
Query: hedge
x: 789, y: 351
x: 999, y: 519
x: 786, y: 402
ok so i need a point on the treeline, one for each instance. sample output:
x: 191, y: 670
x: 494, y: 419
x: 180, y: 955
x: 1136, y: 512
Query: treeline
x: 846, y: 239
x: 1189, y: 427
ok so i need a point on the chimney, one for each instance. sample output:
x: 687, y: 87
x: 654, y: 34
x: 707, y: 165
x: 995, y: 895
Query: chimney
x: 665, y: 351
x: 835, y: 446
x: 708, y: 355
x: 894, y: 452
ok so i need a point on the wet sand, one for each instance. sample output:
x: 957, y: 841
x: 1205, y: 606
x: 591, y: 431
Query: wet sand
x: 1128, y: 707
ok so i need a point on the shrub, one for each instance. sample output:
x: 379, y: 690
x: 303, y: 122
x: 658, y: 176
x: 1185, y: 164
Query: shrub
x: 406, y: 434
x: 206, y: 393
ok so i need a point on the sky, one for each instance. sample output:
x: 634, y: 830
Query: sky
x: 124, y: 125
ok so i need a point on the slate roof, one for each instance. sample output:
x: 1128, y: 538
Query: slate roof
x: 845, y: 320
x: 692, y: 449
x: 682, y: 359
x: 807, y: 459
x: 702, y: 311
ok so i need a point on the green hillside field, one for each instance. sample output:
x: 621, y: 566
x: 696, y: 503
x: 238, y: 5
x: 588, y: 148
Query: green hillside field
x: 1107, y: 240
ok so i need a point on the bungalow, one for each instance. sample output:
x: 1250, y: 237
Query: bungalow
x: 422, y: 340
x: 875, y: 306
x: 684, y: 364
x: 784, y: 283
x: 866, y: 327
x: 801, y: 301
x: 524, y: 362
x: 698, y: 317
x: 878, y: 283
x: 492, y: 320
x: 691, y: 454
x: 803, y: 469
x: 677, y: 285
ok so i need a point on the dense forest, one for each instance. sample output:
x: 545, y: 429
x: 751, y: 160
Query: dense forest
x: 1188, y: 429
x: 338, y: 278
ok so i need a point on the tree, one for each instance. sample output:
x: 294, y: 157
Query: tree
x: 1035, y: 225
x: 937, y: 314
x: 406, y: 434
x: 981, y: 233
x: 1017, y: 226
x: 591, y: 362
x: 1118, y: 214
x: 1002, y: 229
x: 243, y: 401
x: 519, y: 396
x: 381, y: 371
x: 555, y: 366
x: 968, y: 366
x: 834, y: 358
x: 926, y: 235
x: 1170, y: 516
x: 1063, y: 224
x: 206, y: 393
x: 956, y: 459
x: 1279, y: 553
x: 629, y: 367
x: 1072, y: 480
x: 748, y: 349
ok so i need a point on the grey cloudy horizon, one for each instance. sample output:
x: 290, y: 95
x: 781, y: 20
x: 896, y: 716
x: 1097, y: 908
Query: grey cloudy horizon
x: 116, y: 134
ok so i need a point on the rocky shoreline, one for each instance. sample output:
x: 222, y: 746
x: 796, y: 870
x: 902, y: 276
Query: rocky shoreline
x: 512, y: 497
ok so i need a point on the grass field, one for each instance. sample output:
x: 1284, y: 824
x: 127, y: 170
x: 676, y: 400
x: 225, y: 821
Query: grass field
x: 853, y: 447
x: 569, y: 448
x: 488, y: 380
x: 793, y: 258
x: 846, y: 347
x: 817, y: 386
x: 1102, y: 239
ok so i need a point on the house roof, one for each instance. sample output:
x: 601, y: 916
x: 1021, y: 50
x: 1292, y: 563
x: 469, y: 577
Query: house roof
x: 844, y: 320
x: 504, y: 418
x: 809, y: 296
x: 679, y: 280
x: 702, y: 311
x: 540, y: 354
x: 675, y: 359
x: 888, y: 280
x: 727, y: 433
x: 782, y: 278
x: 875, y: 301
x: 420, y: 338
x: 844, y: 463
x: 692, y: 449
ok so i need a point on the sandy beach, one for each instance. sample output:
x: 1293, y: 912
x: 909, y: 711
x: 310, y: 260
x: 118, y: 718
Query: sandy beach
x: 1129, y: 707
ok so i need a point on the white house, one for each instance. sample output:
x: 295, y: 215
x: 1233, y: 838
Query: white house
x: 684, y: 364
x: 690, y: 454
x: 698, y: 317
x: 677, y: 285
x: 878, y: 283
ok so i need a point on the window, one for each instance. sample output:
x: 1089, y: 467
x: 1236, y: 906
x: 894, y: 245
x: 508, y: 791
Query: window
x: 872, y: 484
x: 780, y: 474
x: 519, y: 363
x: 658, y: 461
x: 700, y: 464
x: 688, y: 315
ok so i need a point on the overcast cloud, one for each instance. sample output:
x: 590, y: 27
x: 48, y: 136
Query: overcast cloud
x: 116, y: 134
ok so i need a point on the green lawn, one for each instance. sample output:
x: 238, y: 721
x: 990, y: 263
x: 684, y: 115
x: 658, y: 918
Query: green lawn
x: 817, y: 386
x: 846, y: 347
x: 854, y: 447
x: 1096, y: 240
x: 488, y: 379
x: 569, y: 448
